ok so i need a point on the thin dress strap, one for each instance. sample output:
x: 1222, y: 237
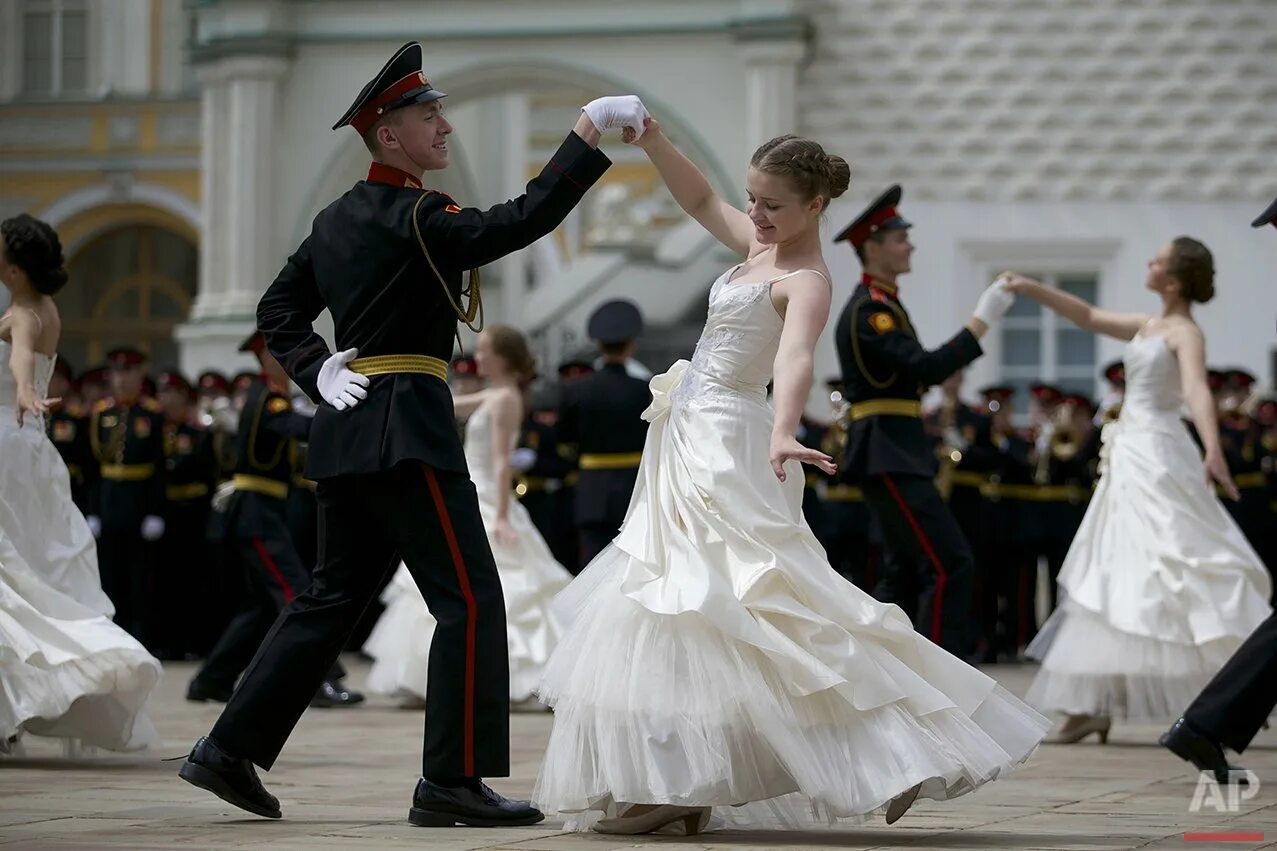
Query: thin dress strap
x: 795, y: 272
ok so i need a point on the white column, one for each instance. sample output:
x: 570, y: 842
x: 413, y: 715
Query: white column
x: 513, y: 166
x: 239, y: 101
x: 771, y: 88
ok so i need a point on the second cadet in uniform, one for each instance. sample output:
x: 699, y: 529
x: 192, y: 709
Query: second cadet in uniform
x: 183, y: 571
x: 259, y: 545
x: 601, y: 414
x: 69, y: 430
x: 126, y: 434
x: 885, y: 369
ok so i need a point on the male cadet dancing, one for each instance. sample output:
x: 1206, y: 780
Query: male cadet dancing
x: 386, y: 260
x: 1237, y: 702
x: 885, y: 370
x: 602, y: 414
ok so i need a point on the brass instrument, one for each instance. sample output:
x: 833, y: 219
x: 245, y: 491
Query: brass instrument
x: 1062, y: 442
x: 951, y: 446
x: 834, y: 443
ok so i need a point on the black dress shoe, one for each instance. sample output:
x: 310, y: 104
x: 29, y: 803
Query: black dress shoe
x: 231, y: 778
x: 477, y: 806
x: 199, y: 692
x: 1202, y: 751
x: 333, y: 694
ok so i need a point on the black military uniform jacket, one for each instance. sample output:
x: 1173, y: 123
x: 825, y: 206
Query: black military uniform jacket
x: 601, y: 414
x: 362, y: 261
x: 190, y: 466
x: 883, y: 362
x: 69, y: 431
x: 268, y: 426
x: 127, y: 443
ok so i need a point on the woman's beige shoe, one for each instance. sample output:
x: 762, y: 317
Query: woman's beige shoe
x: 1078, y: 727
x: 694, y: 819
x: 901, y: 803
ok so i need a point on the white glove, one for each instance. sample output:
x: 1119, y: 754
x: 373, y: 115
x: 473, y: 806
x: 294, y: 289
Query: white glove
x: 523, y: 458
x: 222, y: 496
x: 340, y: 386
x: 620, y: 111
x: 994, y: 302
x: 152, y: 527
x: 95, y: 525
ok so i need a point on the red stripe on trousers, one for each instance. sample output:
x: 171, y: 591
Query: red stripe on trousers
x: 942, y: 578
x: 273, y: 570
x: 472, y: 617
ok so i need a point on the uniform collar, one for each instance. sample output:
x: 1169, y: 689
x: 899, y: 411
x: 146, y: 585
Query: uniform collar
x: 878, y: 284
x: 391, y: 176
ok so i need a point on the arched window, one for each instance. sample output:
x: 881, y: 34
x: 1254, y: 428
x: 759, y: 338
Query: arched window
x: 130, y: 286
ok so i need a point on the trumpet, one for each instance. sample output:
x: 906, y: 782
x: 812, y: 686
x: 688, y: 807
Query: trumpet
x: 834, y: 443
x: 1060, y: 441
x: 951, y: 447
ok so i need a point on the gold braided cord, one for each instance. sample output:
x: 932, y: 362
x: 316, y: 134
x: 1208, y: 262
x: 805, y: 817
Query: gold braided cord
x: 475, y: 306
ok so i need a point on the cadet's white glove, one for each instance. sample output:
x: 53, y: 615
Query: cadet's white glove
x: 994, y: 302
x: 620, y: 111
x: 152, y: 527
x: 95, y: 525
x: 340, y: 386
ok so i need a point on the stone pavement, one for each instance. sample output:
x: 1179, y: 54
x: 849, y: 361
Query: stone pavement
x: 346, y: 778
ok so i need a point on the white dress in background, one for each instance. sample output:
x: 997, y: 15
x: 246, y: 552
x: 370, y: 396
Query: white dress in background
x: 712, y: 657
x: 530, y: 577
x: 1160, y: 586
x: 66, y: 670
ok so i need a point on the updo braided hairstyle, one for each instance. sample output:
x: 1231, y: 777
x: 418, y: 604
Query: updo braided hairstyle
x: 810, y: 171
x: 34, y: 247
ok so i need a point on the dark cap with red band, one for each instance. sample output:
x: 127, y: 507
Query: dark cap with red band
x: 881, y: 215
x: 400, y: 82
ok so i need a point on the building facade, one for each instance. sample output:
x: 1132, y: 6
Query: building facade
x: 183, y: 148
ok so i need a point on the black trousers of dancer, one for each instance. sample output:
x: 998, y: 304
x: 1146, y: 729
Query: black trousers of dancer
x: 928, y: 564
x: 272, y: 575
x: 429, y: 518
x: 1237, y: 702
x: 124, y: 563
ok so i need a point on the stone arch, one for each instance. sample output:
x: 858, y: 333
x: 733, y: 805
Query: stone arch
x: 82, y: 215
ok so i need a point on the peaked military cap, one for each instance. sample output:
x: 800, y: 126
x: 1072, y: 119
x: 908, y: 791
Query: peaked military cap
x: 1047, y: 394
x: 617, y: 321
x: 1115, y: 372
x: 175, y: 381
x: 1268, y: 217
x: 465, y: 365
x: 125, y: 356
x: 575, y: 368
x: 213, y: 381
x: 400, y: 82
x: 881, y: 215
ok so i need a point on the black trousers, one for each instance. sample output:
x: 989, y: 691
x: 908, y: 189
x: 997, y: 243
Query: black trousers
x: 367, y: 523
x: 1235, y: 704
x: 927, y: 567
x: 123, y: 562
x: 272, y: 575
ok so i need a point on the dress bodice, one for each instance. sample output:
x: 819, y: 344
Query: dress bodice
x: 9, y: 387
x: 478, y: 447
x: 1153, y: 395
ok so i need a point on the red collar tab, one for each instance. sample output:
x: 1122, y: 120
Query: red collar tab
x: 879, y: 285
x: 391, y: 176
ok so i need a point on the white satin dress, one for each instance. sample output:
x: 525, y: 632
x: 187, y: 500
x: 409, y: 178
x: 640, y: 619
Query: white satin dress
x: 66, y: 670
x: 1160, y: 586
x: 714, y: 658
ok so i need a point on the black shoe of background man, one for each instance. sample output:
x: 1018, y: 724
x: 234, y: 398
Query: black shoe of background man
x: 199, y: 692
x: 1183, y: 740
x: 472, y: 804
x: 231, y: 778
x: 333, y: 694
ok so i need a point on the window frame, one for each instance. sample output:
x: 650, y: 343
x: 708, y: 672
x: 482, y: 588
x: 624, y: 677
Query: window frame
x: 56, y: 9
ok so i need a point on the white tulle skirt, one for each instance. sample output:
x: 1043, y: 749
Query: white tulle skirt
x: 66, y: 670
x: 713, y: 657
x: 1158, y: 590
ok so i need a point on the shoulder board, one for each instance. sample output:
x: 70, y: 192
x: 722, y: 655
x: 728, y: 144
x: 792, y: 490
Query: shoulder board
x: 278, y: 404
x: 103, y: 404
x: 877, y: 295
x: 150, y: 405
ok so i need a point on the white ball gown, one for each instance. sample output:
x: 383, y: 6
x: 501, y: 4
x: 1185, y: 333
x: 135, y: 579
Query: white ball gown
x: 530, y: 578
x: 1160, y: 586
x: 713, y: 657
x: 66, y: 670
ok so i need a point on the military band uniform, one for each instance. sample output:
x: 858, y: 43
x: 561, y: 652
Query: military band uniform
x: 928, y: 564
x: 542, y: 487
x: 601, y: 416
x: 127, y: 442
x: 184, y: 570
x: 392, y: 480
x: 69, y: 430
